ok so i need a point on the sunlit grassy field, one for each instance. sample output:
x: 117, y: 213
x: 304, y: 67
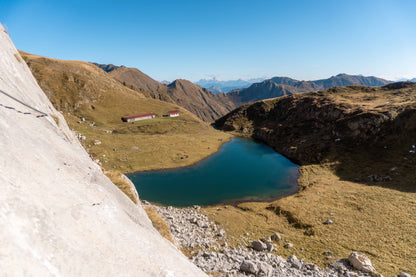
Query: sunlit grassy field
x: 93, y: 103
x: 149, y: 144
x: 375, y: 220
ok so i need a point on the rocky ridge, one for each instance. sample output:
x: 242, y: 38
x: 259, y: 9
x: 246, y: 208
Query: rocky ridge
x: 209, y: 250
x: 280, y: 86
x: 137, y: 80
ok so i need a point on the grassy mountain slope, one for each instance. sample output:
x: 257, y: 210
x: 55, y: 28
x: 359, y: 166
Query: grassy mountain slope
x: 137, y: 80
x: 205, y: 104
x: 281, y: 86
x: 93, y: 104
x: 347, y: 80
x: 356, y: 149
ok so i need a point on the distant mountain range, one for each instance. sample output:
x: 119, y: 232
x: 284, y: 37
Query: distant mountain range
x: 210, y: 106
x: 405, y: 79
x: 280, y: 86
x: 217, y: 86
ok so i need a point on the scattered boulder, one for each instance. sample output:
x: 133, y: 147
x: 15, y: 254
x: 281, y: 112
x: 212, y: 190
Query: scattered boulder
x: 202, y: 224
x: 221, y: 233
x: 248, y: 267
x: 288, y: 245
x: 266, y: 240
x: 276, y: 237
x: 404, y: 274
x: 264, y: 269
x: 232, y: 273
x: 328, y: 221
x: 340, y: 265
x: 81, y: 138
x: 269, y: 246
x: 312, y: 267
x: 295, y: 262
x: 361, y: 262
x: 258, y: 245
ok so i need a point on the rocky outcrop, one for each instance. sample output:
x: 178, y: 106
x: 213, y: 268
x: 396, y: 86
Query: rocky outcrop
x: 59, y: 215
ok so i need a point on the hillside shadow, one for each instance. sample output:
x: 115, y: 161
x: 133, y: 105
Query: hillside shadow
x: 384, y: 165
x: 389, y: 160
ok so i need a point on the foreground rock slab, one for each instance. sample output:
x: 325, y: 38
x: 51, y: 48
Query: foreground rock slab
x: 59, y: 214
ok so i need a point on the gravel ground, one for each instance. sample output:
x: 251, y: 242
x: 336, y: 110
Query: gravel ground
x: 209, y: 249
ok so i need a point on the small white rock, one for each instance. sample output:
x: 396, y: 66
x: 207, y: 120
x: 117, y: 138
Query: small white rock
x: 361, y: 262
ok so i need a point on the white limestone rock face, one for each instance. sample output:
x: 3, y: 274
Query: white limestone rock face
x: 59, y: 215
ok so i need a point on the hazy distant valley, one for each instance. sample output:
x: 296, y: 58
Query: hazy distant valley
x: 219, y: 86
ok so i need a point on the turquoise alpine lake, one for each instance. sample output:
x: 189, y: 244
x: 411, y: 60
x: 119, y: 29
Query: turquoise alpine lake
x: 242, y: 170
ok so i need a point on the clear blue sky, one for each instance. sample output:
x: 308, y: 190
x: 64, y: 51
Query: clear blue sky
x: 229, y: 39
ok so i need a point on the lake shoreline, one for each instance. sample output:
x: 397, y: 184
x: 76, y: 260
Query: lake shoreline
x: 244, y: 171
x: 295, y: 189
x: 188, y: 165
